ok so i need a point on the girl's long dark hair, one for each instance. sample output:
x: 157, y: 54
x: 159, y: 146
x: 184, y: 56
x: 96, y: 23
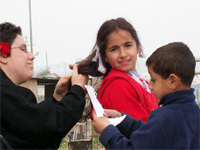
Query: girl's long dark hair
x: 87, y: 66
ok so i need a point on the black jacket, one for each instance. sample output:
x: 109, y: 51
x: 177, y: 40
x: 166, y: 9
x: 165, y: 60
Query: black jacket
x: 28, y: 125
x: 4, y: 144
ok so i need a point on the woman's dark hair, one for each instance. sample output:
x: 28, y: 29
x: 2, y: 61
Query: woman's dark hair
x: 87, y: 66
x: 8, y: 32
x: 173, y: 58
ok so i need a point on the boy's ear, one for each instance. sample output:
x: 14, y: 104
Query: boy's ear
x: 3, y: 60
x: 174, y: 81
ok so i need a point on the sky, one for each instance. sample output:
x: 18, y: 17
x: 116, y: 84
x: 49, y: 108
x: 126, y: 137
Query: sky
x: 66, y: 30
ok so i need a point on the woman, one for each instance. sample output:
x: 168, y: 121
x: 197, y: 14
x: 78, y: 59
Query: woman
x: 24, y: 123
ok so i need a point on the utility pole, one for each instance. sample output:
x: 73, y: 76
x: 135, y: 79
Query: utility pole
x: 30, y: 26
x: 197, y: 73
x: 31, y: 41
x: 47, y: 67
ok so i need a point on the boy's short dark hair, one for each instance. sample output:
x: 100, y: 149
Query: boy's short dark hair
x: 173, y: 58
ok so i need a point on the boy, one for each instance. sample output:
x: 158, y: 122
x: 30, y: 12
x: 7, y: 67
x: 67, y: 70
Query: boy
x: 175, y: 125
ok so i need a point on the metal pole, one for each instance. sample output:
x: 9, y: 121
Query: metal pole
x: 197, y: 60
x: 47, y: 63
x: 30, y: 26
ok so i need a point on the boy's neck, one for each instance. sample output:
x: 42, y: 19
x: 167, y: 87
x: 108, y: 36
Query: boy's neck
x: 181, y: 87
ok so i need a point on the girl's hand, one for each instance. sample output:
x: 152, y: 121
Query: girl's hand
x: 110, y: 113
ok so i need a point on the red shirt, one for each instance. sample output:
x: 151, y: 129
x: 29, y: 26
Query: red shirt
x: 121, y: 92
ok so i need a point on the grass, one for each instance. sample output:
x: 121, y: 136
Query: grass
x: 63, y: 145
x: 95, y: 143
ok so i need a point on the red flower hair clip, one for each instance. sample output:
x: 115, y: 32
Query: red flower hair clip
x: 4, y: 49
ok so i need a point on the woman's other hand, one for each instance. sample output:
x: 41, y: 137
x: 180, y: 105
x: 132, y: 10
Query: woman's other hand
x: 62, y: 87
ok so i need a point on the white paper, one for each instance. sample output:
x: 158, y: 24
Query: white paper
x: 98, y: 107
x: 115, y: 121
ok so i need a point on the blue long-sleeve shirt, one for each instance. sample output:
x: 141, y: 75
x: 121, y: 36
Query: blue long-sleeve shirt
x: 176, y: 125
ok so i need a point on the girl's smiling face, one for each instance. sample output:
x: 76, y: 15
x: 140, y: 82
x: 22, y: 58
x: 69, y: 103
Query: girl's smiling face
x: 121, y: 51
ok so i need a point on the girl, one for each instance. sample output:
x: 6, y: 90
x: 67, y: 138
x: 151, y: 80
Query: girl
x: 114, y: 57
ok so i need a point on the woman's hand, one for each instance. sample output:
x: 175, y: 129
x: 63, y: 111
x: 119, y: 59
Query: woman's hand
x: 78, y: 79
x: 62, y: 87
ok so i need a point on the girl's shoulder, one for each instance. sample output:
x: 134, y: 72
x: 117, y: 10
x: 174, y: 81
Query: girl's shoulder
x: 117, y: 74
x: 118, y: 79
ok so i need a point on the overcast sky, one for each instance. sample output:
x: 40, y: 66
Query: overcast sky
x: 67, y: 29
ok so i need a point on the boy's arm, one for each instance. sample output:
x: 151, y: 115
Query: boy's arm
x: 151, y: 135
x: 129, y: 125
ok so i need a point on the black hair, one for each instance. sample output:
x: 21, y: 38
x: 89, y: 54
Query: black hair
x: 174, y: 58
x: 87, y: 66
x: 8, y: 32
